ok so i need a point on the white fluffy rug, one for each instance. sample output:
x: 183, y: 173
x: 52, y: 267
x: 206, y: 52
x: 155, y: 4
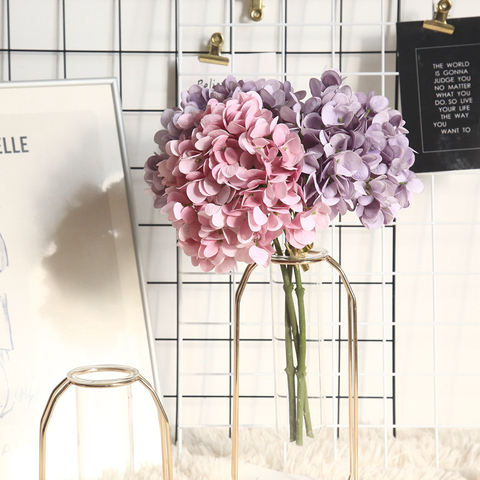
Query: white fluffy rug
x: 411, y: 455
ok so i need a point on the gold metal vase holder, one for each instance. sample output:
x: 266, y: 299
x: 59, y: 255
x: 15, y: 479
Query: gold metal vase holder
x: 131, y: 375
x: 352, y: 357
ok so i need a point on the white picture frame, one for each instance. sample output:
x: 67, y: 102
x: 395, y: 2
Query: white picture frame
x: 71, y: 287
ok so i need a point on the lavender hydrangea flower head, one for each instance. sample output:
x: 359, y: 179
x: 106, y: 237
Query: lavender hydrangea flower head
x: 181, y: 121
x: 357, y: 156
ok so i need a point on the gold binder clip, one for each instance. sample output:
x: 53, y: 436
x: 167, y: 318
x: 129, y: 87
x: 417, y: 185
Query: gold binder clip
x: 439, y: 22
x: 213, y: 56
x: 256, y: 10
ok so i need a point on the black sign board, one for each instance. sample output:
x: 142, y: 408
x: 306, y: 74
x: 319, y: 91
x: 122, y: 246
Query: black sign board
x: 440, y: 93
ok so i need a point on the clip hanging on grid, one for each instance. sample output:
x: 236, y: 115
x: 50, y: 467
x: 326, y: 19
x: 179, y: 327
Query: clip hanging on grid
x: 256, y: 10
x: 213, y: 56
x: 439, y: 22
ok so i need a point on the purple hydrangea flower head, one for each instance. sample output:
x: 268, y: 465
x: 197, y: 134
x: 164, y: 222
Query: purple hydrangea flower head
x: 357, y: 156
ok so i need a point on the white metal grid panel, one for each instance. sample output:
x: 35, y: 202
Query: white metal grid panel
x: 416, y: 283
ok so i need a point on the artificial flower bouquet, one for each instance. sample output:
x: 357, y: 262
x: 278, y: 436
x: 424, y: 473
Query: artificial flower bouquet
x: 245, y: 164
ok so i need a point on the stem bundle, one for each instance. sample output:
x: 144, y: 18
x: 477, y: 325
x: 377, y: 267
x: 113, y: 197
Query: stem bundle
x: 295, y: 350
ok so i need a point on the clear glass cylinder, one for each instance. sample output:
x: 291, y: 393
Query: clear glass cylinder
x: 104, y: 425
x: 297, y: 340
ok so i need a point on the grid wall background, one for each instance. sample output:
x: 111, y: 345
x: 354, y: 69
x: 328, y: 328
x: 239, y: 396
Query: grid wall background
x: 416, y: 282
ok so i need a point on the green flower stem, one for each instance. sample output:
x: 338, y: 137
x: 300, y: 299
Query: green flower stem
x: 293, y: 320
x: 304, y: 413
x: 296, y: 336
x: 288, y: 289
x: 290, y: 371
x: 290, y: 335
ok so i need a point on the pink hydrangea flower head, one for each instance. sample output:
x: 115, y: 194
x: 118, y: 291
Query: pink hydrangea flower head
x: 231, y: 186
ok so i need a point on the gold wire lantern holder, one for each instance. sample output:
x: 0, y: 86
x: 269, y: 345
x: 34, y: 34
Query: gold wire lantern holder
x: 352, y: 359
x: 131, y: 375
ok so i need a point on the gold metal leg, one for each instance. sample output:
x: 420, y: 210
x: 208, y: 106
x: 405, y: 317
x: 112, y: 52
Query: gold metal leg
x: 352, y: 369
x: 236, y: 356
x: 60, y: 389
x: 57, y: 392
x: 164, y: 431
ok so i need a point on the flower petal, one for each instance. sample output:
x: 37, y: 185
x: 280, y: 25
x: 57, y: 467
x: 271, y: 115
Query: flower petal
x: 259, y: 255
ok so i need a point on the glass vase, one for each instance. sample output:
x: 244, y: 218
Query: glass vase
x: 297, y: 340
x: 105, y: 425
x: 105, y: 429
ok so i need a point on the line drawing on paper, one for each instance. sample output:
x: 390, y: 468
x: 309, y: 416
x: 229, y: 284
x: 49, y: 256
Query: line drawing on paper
x: 3, y: 255
x: 6, y: 341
